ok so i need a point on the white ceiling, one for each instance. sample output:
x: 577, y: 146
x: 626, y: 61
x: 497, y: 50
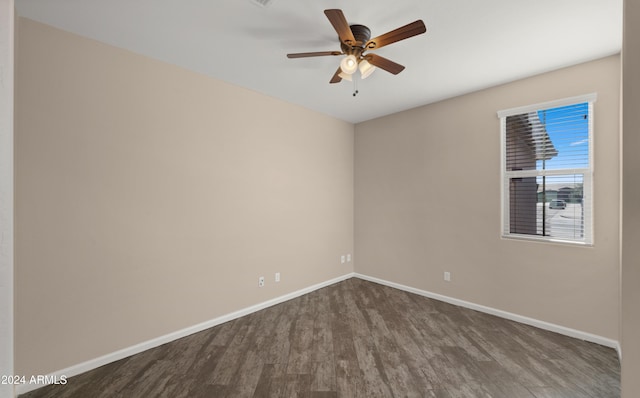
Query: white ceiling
x: 469, y: 44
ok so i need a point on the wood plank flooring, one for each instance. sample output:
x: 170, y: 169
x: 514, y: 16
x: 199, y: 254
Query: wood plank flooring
x: 359, y: 339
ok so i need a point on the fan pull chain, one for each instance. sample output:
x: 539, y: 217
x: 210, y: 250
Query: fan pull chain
x: 355, y: 87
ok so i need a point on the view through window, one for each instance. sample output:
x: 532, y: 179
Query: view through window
x: 547, y: 172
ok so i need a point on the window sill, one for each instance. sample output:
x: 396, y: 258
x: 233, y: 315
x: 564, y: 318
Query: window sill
x: 547, y: 240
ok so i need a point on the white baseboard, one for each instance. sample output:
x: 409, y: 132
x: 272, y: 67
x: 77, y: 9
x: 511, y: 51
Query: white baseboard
x: 138, y: 348
x: 126, y: 352
x: 502, y: 314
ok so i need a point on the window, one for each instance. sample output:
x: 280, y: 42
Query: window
x: 547, y: 169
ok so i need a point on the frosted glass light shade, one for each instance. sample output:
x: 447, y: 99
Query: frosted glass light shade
x: 366, y: 69
x: 349, y: 64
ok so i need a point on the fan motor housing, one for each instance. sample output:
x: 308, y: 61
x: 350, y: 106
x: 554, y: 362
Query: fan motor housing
x: 361, y: 33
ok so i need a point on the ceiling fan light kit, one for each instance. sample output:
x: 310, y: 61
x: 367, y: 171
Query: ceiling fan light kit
x: 355, y: 40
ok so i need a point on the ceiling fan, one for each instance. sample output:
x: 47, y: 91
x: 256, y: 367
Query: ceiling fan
x: 355, y: 41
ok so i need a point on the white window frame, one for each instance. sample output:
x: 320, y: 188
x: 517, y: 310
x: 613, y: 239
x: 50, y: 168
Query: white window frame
x: 586, y: 172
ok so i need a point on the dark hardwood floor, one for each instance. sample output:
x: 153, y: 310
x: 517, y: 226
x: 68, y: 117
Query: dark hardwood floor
x: 359, y: 339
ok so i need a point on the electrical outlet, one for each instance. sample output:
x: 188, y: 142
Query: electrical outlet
x: 277, y: 278
x: 447, y: 276
x: 348, y: 258
x: 342, y: 259
x: 261, y: 281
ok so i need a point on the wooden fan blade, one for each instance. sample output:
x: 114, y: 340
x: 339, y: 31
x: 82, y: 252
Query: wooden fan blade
x: 340, y: 24
x: 384, y: 63
x: 403, y: 32
x: 313, y: 54
x: 336, y: 78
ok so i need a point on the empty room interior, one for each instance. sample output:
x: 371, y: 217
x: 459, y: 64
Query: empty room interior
x: 195, y: 213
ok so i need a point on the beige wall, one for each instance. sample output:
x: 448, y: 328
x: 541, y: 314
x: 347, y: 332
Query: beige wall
x: 150, y: 198
x: 631, y: 202
x: 427, y: 200
x: 6, y: 192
